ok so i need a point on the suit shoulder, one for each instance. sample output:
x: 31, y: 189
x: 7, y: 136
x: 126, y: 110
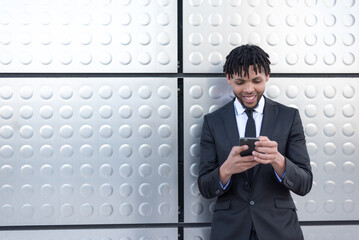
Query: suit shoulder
x: 220, y: 110
x: 281, y: 106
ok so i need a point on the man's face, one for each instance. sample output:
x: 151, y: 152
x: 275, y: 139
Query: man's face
x: 248, y: 89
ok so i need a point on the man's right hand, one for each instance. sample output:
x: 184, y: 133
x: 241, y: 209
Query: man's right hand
x: 235, y: 163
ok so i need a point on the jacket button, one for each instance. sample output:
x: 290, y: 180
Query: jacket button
x: 251, y: 203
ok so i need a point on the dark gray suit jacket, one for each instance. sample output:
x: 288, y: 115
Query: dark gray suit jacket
x: 264, y: 201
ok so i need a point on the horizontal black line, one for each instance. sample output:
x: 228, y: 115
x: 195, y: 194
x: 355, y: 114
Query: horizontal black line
x: 155, y: 225
x: 171, y: 75
x: 329, y: 223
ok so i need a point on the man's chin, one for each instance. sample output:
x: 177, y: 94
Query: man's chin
x: 249, y: 104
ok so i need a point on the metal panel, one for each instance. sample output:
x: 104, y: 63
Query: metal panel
x: 88, y: 36
x: 92, y: 234
x: 330, y: 121
x: 80, y: 151
x: 197, y: 233
x: 348, y: 232
x: 300, y: 36
x: 200, y: 97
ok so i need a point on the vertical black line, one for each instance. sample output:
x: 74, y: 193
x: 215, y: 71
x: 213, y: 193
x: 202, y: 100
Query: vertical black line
x: 180, y: 35
x: 180, y: 119
x: 180, y: 159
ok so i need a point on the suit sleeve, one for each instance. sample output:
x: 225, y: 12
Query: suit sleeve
x: 298, y: 177
x: 208, y: 179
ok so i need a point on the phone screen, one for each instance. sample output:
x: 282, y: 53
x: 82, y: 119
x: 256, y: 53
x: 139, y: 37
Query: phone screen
x: 250, y: 142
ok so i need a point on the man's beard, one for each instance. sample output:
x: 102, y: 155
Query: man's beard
x: 242, y: 102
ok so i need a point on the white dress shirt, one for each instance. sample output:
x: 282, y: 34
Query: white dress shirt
x: 241, y: 116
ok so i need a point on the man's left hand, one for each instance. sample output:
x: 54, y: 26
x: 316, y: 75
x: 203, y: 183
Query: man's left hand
x: 267, y: 153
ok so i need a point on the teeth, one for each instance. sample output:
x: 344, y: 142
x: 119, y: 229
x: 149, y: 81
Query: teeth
x: 249, y: 97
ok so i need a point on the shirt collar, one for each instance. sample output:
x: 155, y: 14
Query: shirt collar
x: 240, y: 109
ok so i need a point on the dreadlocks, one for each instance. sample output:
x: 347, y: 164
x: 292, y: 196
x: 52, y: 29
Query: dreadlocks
x: 240, y: 58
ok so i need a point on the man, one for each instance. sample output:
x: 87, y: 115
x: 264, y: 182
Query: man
x: 253, y: 192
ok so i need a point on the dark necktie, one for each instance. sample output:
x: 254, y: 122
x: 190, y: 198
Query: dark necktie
x: 251, y: 126
x: 250, y: 132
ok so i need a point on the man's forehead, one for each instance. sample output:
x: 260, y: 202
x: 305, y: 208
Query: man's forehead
x: 251, y: 70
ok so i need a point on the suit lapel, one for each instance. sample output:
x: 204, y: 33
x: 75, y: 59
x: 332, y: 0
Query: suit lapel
x: 270, y: 113
x: 230, y: 124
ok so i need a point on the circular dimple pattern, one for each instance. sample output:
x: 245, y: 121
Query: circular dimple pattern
x: 329, y: 187
x: 125, y: 190
x: 6, y: 112
x: 311, y: 130
x: 86, y: 150
x: 311, y: 206
x: 6, y: 92
x: 329, y: 130
x: 273, y: 91
x: 348, y: 39
x: 125, y: 111
x: 196, y: 38
x: 329, y: 110
x: 164, y: 170
x: 330, y: 148
x: 348, y: 59
x: 348, y: 148
x: 25, y: 131
x: 145, y: 170
x: 164, y: 111
x: 234, y: 39
x: 348, y: 167
x: 125, y: 170
x: 196, y: 58
x: 215, y: 58
x: 125, y: 150
x: 145, y: 209
x: 348, y: 186
x: 273, y: 39
x: 7, y: 132
x: 66, y: 150
x: 196, y: 111
x: 330, y: 206
x: 348, y: 129
x: 292, y: 91
x: 348, y: 110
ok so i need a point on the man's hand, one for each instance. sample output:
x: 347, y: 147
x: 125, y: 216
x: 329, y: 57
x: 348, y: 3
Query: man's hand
x: 267, y: 152
x: 235, y: 163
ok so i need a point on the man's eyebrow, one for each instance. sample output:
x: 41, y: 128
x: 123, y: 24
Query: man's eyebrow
x: 241, y: 79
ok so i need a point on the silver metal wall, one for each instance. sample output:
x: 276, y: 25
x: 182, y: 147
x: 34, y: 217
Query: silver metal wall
x: 101, y: 109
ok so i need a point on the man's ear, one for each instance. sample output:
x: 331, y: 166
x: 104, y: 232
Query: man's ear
x: 229, y: 79
x: 267, y: 78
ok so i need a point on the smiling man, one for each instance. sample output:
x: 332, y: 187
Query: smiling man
x: 253, y: 192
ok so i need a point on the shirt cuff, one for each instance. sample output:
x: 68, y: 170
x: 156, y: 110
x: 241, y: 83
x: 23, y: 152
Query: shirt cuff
x: 280, y: 179
x: 224, y: 187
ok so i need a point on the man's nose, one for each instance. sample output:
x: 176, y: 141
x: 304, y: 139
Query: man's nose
x: 249, y: 88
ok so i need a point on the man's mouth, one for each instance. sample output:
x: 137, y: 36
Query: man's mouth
x: 250, y: 98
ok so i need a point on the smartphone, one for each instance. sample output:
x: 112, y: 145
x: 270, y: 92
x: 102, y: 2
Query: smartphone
x: 250, y: 142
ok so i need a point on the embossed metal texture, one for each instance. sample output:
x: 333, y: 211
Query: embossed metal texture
x: 329, y: 116
x: 89, y: 234
x: 81, y: 151
x: 88, y: 36
x: 309, y: 232
x: 300, y: 36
